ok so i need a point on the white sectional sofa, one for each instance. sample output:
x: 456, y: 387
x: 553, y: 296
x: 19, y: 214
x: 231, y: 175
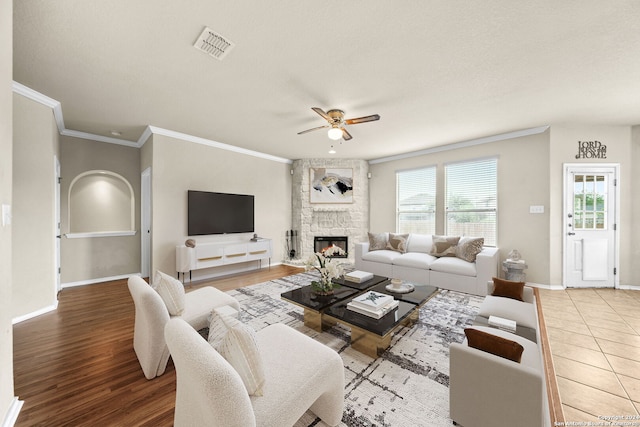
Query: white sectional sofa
x: 417, y: 265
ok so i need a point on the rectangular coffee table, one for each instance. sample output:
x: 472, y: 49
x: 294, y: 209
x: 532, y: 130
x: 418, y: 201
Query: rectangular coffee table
x: 368, y: 335
x: 419, y: 296
x: 314, y: 305
x: 372, y: 336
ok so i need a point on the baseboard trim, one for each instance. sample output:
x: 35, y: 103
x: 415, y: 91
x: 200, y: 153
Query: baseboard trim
x: 100, y: 280
x: 628, y: 287
x: 36, y: 313
x: 11, y: 416
x: 546, y: 286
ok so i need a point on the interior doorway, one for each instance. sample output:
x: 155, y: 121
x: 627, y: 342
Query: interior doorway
x: 590, y: 225
x: 58, y: 238
x: 145, y: 223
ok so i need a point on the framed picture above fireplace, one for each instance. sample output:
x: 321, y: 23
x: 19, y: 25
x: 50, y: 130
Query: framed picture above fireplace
x: 328, y: 185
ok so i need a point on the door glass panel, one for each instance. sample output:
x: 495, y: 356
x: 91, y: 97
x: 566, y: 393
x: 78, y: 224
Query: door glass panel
x: 577, y: 223
x: 588, y: 220
x: 589, y: 202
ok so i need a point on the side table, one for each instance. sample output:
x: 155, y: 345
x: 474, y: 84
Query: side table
x: 514, y: 270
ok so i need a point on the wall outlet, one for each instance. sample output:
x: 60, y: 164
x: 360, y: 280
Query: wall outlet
x: 536, y: 209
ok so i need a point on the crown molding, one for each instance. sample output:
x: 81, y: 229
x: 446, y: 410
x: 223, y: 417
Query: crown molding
x: 197, y: 140
x: 36, y: 96
x: 99, y: 138
x: 463, y: 144
x: 149, y: 130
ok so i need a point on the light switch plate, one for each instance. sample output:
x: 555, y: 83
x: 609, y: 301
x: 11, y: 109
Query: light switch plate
x: 6, y: 215
x: 536, y: 209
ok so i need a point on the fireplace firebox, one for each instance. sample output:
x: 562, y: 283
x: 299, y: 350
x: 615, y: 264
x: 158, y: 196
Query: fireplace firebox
x: 323, y: 242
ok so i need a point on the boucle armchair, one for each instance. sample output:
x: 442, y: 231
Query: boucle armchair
x: 301, y: 374
x: 151, y: 315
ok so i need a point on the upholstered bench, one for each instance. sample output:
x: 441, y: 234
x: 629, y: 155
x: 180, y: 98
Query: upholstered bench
x: 486, y: 390
x: 524, y: 312
x: 491, y: 382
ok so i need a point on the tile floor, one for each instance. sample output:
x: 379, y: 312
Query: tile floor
x: 594, y: 335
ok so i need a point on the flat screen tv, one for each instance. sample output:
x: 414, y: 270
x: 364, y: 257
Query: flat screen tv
x: 219, y: 213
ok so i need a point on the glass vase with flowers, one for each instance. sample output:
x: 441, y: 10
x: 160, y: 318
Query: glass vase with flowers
x: 328, y: 269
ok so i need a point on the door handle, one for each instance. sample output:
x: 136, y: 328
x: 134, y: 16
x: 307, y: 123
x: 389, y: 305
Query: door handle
x: 571, y: 234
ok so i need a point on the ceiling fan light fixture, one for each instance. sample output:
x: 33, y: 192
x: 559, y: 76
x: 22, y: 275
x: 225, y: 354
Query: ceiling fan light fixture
x: 335, y: 133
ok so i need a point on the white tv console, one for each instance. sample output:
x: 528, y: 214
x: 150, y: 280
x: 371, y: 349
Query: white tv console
x: 210, y: 255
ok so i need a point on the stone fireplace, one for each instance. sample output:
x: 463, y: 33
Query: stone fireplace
x: 311, y: 220
x: 323, y: 242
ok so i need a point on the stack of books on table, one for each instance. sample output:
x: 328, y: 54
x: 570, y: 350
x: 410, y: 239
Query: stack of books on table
x: 373, y: 304
x: 358, y: 276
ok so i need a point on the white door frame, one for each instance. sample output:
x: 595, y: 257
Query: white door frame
x: 145, y: 223
x: 58, y: 236
x: 565, y: 229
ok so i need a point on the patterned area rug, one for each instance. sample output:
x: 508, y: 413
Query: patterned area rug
x: 408, y: 385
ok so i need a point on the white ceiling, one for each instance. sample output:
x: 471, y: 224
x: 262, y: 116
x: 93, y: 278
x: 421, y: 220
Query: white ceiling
x: 437, y: 72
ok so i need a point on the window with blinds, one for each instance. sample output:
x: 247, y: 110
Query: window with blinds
x: 471, y: 197
x: 416, y: 201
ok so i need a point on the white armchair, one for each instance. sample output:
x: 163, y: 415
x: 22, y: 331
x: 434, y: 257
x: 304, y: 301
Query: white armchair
x: 151, y: 315
x: 301, y: 374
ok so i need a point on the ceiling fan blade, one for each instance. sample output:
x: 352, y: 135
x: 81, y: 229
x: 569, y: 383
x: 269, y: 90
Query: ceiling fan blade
x: 346, y: 135
x: 323, y: 114
x: 371, y: 118
x: 312, y: 129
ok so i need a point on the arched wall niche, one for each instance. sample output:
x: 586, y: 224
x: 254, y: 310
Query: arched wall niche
x: 101, y: 203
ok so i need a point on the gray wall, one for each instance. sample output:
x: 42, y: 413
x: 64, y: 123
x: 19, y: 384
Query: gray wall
x: 91, y: 258
x: 6, y: 168
x: 634, y: 235
x: 563, y: 149
x: 179, y: 165
x: 530, y: 172
x: 523, y: 180
x: 36, y: 142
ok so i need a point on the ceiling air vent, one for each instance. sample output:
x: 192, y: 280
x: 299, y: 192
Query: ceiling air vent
x: 213, y: 44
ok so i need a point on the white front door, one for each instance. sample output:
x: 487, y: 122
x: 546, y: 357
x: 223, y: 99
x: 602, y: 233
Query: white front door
x: 590, y: 226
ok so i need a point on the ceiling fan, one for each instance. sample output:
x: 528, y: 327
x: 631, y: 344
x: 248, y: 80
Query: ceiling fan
x: 337, y: 122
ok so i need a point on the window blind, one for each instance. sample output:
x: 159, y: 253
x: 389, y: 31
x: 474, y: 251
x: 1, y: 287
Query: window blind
x: 471, y: 197
x: 416, y: 201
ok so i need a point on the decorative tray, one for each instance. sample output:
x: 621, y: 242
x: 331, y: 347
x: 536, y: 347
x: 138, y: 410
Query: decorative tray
x: 404, y: 288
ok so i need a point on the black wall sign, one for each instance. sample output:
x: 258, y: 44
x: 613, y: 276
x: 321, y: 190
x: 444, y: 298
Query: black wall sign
x: 591, y: 150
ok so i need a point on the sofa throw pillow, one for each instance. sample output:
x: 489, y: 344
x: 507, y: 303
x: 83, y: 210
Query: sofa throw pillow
x: 444, y: 246
x: 398, y: 242
x: 469, y: 247
x: 508, y: 289
x: 236, y: 342
x: 494, y: 344
x: 171, y: 291
x: 377, y: 241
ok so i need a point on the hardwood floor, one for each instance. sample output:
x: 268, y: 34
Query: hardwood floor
x: 76, y: 366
